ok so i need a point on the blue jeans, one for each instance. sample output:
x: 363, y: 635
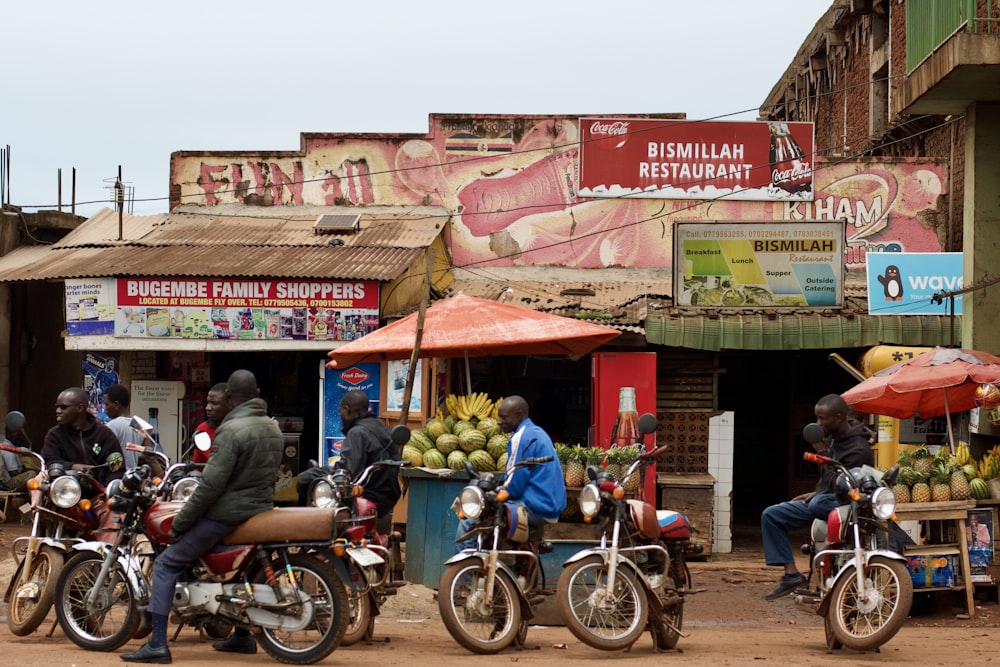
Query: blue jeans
x: 465, y: 525
x: 777, y: 520
x: 169, y: 565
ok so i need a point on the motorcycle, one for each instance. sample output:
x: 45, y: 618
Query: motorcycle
x: 371, y: 563
x: 486, y: 594
x: 61, y: 518
x: 637, y: 577
x: 263, y: 575
x: 864, y: 590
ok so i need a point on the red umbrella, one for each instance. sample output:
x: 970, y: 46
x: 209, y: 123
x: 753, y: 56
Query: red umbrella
x: 938, y: 382
x: 465, y: 326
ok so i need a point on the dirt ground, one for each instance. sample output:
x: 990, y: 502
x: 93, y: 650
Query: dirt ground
x: 727, y: 622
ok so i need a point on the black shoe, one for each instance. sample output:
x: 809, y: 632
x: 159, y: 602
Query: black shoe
x: 788, y: 583
x: 146, y: 653
x: 236, y: 644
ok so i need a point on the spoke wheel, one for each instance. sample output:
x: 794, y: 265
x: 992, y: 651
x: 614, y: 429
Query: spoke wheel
x: 113, y: 619
x: 864, y: 620
x: 33, y: 592
x: 667, y: 628
x: 481, y: 625
x: 361, y: 623
x: 605, y: 622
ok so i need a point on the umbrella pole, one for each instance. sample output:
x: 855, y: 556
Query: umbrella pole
x: 947, y: 415
x: 411, y: 371
x: 468, y: 373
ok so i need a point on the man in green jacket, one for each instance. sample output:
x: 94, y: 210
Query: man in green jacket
x: 237, y: 483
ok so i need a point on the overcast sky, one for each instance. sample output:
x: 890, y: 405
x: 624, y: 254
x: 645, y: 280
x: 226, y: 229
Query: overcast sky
x: 98, y: 85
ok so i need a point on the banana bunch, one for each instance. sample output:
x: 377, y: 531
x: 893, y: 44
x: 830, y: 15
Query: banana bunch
x: 989, y: 465
x: 962, y: 454
x: 476, y: 404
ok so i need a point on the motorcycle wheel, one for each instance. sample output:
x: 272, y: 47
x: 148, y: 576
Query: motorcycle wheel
x: 667, y: 628
x: 115, y: 618
x: 361, y: 623
x: 479, y: 625
x: 28, y: 611
x: 329, y: 608
x: 862, y: 625
x: 832, y: 642
x: 609, y: 627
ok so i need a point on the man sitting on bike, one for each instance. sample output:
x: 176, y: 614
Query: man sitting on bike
x: 237, y: 483
x: 540, y: 489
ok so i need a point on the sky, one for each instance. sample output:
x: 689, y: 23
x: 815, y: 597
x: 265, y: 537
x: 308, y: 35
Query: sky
x: 98, y: 86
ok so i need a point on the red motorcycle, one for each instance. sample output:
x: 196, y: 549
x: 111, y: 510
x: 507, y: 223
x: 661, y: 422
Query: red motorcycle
x: 265, y: 575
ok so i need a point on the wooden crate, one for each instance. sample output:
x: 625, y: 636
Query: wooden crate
x: 693, y: 496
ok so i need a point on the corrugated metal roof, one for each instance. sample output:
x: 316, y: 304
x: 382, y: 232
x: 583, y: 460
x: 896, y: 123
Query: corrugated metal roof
x: 192, y: 241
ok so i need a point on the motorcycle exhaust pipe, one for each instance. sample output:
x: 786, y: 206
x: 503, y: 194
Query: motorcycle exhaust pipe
x: 807, y: 602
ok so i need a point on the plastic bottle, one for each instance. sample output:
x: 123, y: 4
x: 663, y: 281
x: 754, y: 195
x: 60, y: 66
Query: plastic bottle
x: 627, y: 423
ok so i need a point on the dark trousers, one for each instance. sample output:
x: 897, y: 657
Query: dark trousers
x: 169, y: 565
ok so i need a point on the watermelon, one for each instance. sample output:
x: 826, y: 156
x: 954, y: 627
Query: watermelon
x: 502, y: 462
x: 435, y: 459
x: 456, y: 460
x: 461, y: 426
x: 488, y: 427
x: 497, y: 445
x: 413, y: 455
x: 449, y: 423
x: 979, y: 489
x: 421, y: 440
x: 482, y: 461
x: 435, y: 428
x: 470, y: 440
x: 447, y: 443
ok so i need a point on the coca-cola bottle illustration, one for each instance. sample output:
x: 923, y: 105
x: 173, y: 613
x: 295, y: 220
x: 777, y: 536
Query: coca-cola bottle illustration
x: 627, y: 423
x: 790, y: 170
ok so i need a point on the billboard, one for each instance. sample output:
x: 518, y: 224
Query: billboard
x: 904, y: 283
x: 749, y: 265
x: 682, y: 159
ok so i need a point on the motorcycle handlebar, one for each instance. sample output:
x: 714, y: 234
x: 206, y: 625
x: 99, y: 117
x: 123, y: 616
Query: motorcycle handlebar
x: 812, y: 457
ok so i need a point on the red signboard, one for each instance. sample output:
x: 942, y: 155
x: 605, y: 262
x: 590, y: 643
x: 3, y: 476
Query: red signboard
x: 671, y: 159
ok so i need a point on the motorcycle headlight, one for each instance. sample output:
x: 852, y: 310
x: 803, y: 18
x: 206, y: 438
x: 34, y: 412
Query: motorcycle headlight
x: 471, y: 501
x: 323, y: 494
x: 65, y: 491
x: 883, y: 503
x: 183, y: 489
x: 590, y: 501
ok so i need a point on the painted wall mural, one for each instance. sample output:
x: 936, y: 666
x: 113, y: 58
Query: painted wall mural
x: 511, y: 183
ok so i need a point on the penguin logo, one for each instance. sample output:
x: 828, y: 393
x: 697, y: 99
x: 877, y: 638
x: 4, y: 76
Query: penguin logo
x: 892, y: 283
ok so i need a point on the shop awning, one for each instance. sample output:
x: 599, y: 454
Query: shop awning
x: 800, y: 331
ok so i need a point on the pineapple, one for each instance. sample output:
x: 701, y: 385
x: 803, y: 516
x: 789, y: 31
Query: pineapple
x: 613, y: 462
x: 959, y: 484
x: 576, y: 468
x: 562, y: 452
x: 941, y: 492
x: 629, y: 454
x: 922, y: 461
x: 920, y: 492
x: 901, y: 489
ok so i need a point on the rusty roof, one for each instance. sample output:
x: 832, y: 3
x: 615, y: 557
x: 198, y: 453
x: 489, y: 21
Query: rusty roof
x: 228, y: 241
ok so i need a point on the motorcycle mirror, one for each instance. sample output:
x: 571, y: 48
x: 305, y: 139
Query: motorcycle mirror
x: 400, y: 435
x: 14, y: 421
x: 140, y: 424
x: 203, y: 441
x: 889, y: 478
x: 812, y: 433
x: 647, y: 423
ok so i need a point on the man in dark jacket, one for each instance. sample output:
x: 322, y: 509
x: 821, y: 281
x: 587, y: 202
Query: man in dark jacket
x: 848, y: 442
x: 237, y: 483
x: 366, y: 440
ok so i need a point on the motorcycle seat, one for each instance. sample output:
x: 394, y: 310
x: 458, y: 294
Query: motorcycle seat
x: 285, y: 524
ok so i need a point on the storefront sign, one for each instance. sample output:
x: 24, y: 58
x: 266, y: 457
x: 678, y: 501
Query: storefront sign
x: 89, y: 306
x: 671, y: 159
x: 747, y: 265
x: 245, y: 309
x: 904, y: 283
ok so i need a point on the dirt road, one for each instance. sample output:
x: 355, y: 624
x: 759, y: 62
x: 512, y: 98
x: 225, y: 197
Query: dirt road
x: 728, y: 623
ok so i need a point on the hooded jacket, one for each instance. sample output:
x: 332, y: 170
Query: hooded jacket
x: 92, y: 445
x: 238, y: 480
x: 853, y: 450
x: 366, y: 441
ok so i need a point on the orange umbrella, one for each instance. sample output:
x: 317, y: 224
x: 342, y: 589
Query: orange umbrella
x: 465, y: 326
x: 938, y: 382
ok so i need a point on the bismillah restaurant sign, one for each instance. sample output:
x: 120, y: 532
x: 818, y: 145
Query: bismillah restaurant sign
x: 222, y: 309
x: 683, y: 159
x: 748, y: 265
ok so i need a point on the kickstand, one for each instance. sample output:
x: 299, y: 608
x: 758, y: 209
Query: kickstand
x: 177, y: 632
x: 53, y: 628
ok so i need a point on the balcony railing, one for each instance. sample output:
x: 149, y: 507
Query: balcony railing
x: 930, y: 23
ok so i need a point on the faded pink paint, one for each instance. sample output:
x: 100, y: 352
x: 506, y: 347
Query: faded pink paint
x: 521, y: 208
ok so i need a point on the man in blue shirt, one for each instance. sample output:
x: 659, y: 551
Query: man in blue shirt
x: 540, y: 489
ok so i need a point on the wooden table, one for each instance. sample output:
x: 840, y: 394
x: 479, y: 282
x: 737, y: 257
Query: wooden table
x: 957, y: 511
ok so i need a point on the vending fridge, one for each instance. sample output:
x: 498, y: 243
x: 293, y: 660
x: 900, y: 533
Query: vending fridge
x: 333, y: 384
x: 610, y: 371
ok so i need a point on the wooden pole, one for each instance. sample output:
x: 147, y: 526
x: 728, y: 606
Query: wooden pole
x: 404, y: 412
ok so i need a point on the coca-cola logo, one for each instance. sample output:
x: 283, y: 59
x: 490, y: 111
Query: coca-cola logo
x: 609, y: 135
x: 354, y: 376
x: 798, y: 173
